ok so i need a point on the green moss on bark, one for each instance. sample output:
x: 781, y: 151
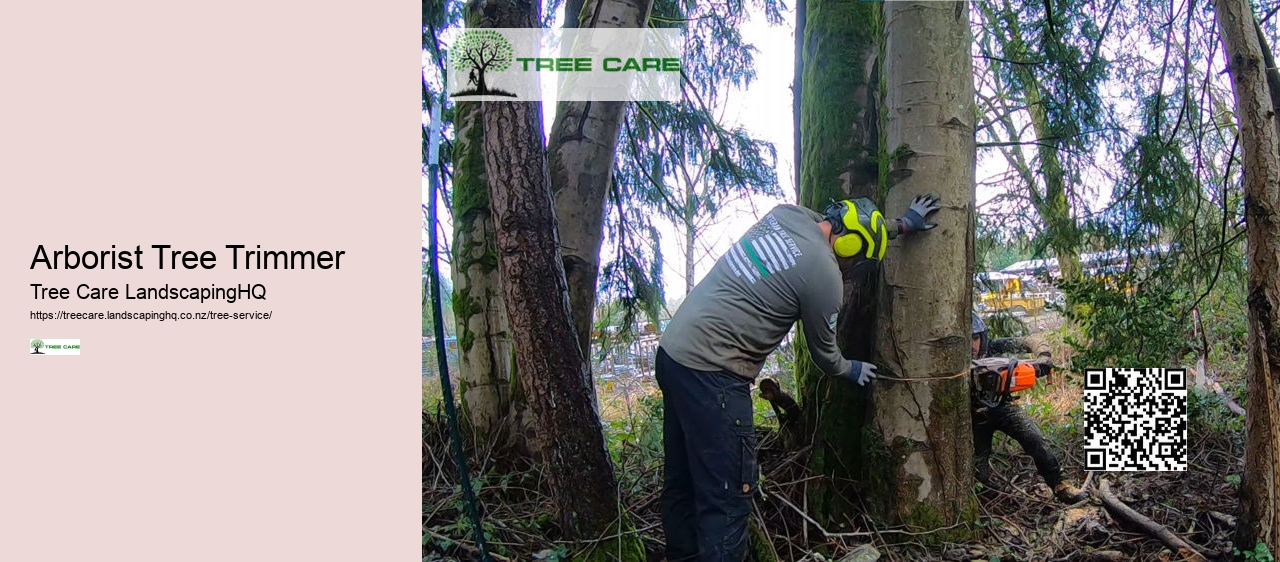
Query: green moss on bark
x: 470, y: 192
x: 840, y: 150
x: 464, y: 307
x: 624, y: 546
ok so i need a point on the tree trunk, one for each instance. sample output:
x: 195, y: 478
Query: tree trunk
x: 572, y: 13
x: 1052, y: 203
x: 921, y: 442
x: 484, y: 344
x: 797, y: 90
x: 840, y: 150
x: 1260, y: 484
x: 1053, y: 206
x: 553, y: 370
x: 582, y: 146
x: 690, y: 238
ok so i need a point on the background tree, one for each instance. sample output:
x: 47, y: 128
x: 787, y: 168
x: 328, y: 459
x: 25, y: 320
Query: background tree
x: 569, y: 438
x: 581, y: 150
x: 486, y: 382
x: 648, y: 177
x: 1260, y: 485
x: 1041, y: 110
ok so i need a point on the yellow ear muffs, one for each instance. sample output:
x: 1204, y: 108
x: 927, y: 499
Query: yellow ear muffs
x: 849, y: 245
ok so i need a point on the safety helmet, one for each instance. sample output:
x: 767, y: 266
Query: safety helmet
x: 859, y: 228
x: 980, y: 331
x: 979, y: 326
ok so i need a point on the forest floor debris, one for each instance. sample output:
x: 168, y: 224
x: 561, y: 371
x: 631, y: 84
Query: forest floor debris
x: 1023, y: 524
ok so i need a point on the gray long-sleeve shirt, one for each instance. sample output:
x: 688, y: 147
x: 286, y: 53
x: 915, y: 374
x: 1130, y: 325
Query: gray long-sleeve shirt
x: 782, y: 270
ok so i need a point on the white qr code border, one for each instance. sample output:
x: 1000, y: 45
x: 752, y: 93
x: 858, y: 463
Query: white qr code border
x: 1135, y: 419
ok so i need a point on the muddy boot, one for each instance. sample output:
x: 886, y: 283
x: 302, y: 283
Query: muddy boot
x: 1068, y: 494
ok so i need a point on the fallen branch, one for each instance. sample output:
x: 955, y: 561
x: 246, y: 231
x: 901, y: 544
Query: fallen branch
x: 1231, y: 404
x: 830, y: 535
x: 617, y: 535
x: 1127, y: 515
x: 466, y: 546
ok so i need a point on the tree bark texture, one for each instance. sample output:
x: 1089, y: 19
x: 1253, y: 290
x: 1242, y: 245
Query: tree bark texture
x: 581, y: 150
x: 552, y: 369
x: 484, y: 344
x: 840, y: 147
x: 1260, y: 484
x: 921, y: 439
x: 797, y: 89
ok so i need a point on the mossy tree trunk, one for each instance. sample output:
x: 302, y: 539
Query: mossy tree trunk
x: 797, y: 90
x: 581, y: 150
x: 484, y: 343
x: 1260, y: 484
x: 921, y: 432
x: 840, y: 147
x: 553, y: 371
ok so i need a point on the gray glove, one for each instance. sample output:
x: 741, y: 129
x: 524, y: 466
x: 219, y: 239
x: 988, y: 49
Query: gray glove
x: 921, y: 207
x: 861, y: 372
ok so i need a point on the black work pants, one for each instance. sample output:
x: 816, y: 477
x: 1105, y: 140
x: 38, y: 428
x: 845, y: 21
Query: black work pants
x: 1011, y: 420
x: 710, y: 471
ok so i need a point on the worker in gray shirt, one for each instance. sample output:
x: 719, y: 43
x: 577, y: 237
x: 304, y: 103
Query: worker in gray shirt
x: 783, y: 270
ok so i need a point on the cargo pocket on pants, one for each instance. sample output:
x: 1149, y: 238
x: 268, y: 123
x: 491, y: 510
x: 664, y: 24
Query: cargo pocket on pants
x: 750, y: 469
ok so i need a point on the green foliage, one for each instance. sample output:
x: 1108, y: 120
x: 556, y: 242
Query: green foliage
x: 631, y: 282
x: 1260, y: 553
x: 1044, y: 64
x: 678, y: 161
x: 642, y: 428
x: 1147, y: 328
x: 1003, y: 324
x: 1206, y: 409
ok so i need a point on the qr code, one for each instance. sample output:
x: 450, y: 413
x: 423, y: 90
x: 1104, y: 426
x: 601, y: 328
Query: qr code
x: 1135, y: 419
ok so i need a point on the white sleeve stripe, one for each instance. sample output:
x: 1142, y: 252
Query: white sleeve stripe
x: 766, y: 248
x: 743, y: 270
x: 782, y: 249
x: 745, y: 261
x: 728, y: 258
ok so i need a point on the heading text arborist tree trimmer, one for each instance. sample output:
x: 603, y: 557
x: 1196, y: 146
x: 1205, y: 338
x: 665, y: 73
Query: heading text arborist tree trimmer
x: 783, y: 270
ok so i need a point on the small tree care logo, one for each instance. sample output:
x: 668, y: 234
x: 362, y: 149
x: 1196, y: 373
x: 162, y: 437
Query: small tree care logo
x: 54, y: 347
x: 480, y: 52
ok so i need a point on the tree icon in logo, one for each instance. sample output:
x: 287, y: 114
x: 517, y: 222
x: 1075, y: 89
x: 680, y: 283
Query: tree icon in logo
x: 480, y: 51
x: 36, y: 345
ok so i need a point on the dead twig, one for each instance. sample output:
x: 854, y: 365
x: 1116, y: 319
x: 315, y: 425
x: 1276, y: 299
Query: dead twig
x: 466, y: 545
x: 780, y: 497
x: 1126, y: 514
